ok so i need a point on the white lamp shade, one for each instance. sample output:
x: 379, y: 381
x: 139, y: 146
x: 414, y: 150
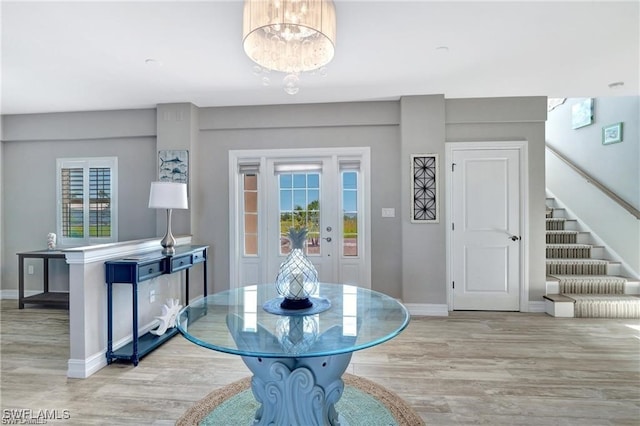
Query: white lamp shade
x: 168, y: 195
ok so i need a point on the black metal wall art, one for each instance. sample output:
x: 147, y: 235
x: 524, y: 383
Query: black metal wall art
x: 425, y: 188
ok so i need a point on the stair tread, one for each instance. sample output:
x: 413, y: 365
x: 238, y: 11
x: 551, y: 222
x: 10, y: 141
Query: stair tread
x: 564, y: 231
x: 587, y: 276
x: 576, y: 296
x: 556, y: 278
x: 559, y: 298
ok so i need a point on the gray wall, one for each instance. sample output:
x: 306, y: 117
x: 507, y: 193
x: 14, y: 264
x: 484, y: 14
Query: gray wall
x: 616, y: 166
x: 31, y: 144
x: 423, y: 245
x: 306, y: 126
x: 402, y: 267
x: 511, y: 119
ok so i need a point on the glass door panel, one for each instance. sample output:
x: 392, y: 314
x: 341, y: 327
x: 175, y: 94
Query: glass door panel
x: 300, y: 207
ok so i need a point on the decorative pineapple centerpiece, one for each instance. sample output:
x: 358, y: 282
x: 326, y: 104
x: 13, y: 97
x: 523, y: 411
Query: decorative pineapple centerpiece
x: 297, y: 333
x: 297, y: 277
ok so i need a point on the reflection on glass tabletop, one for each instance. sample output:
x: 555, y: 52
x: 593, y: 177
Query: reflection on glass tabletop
x: 235, y: 322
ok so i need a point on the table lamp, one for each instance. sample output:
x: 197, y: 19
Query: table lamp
x: 168, y: 195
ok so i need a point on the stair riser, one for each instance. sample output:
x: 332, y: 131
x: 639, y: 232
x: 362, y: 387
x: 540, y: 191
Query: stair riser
x: 583, y: 238
x: 614, y: 269
x: 630, y: 287
x: 555, y: 225
x: 576, y: 253
x: 597, y: 252
x: 564, y: 225
x: 588, y: 287
x: 571, y: 253
x: 558, y: 309
x: 622, y: 309
x: 567, y: 237
x: 609, y: 269
x: 577, y: 269
x: 561, y: 238
x: 570, y: 310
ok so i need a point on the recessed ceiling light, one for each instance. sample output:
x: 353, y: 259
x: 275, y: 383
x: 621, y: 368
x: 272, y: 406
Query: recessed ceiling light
x: 616, y: 84
x: 442, y: 49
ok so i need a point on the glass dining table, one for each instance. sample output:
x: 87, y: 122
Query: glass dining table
x: 297, y: 357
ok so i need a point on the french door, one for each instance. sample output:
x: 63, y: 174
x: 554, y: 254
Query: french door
x: 325, y: 192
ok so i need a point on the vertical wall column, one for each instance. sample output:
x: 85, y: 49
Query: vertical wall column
x: 422, y: 131
x: 177, y: 129
x: 1, y: 205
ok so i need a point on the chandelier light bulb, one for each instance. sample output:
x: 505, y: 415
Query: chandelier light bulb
x: 291, y: 84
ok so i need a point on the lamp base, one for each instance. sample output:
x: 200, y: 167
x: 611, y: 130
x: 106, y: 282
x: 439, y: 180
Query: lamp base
x: 169, y: 251
x: 168, y: 242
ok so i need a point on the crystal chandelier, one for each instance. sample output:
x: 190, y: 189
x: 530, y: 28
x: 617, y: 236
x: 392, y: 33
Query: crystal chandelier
x: 289, y: 36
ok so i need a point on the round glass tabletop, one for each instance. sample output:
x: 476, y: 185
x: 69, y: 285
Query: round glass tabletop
x: 343, y: 319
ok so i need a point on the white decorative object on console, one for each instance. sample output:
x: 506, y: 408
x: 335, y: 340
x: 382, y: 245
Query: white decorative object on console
x: 51, y: 241
x: 168, y: 318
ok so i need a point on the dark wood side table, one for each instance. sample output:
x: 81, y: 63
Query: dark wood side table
x: 132, y: 271
x: 46, y: 297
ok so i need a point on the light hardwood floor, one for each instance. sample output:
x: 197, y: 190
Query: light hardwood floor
x: 467, y: 368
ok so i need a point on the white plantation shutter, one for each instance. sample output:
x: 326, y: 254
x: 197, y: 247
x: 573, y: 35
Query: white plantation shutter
x: 87, y: 200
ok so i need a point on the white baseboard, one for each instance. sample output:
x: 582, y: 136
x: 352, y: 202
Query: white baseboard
x: 428, y: 309
x: 83, y: 368
x: 9, y: 294
x: 13, y: 294
x: 442, y: 310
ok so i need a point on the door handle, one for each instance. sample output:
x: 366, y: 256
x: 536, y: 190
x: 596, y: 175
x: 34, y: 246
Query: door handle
x: 515, y: 238
x: 327, y: 238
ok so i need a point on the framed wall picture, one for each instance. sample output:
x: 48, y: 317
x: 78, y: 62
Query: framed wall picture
x: 424, y: 188
x: 173, y: 166
x: 582, y: 114
x: 612, y: 133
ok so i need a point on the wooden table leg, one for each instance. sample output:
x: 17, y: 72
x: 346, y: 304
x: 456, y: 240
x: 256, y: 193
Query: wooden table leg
x: 20, y: 281
x: 45, y: 278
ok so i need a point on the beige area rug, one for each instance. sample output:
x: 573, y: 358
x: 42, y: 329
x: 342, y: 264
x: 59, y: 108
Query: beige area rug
x: 397, y: 408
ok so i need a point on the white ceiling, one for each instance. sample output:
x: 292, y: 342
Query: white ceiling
x: 78, y: 56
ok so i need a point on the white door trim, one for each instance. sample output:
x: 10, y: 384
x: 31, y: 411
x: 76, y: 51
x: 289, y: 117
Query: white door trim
x: 261, y: 155
x: 522, y: 147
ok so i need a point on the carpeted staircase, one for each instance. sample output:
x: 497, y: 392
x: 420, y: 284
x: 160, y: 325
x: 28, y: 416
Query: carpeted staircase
x: 580, y: 282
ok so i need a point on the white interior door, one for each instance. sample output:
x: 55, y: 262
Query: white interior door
x: 486, y: 229
x: 326, y: 191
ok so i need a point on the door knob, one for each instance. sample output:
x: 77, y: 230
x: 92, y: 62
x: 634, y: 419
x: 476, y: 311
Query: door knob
x: 327, y: 238
x: 515, y: 238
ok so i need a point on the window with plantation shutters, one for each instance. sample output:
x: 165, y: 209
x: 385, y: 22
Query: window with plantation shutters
x: 86, y: 212
x: 71, y: 180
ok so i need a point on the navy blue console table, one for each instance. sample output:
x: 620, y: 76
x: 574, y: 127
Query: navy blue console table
x: 136, y: 269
